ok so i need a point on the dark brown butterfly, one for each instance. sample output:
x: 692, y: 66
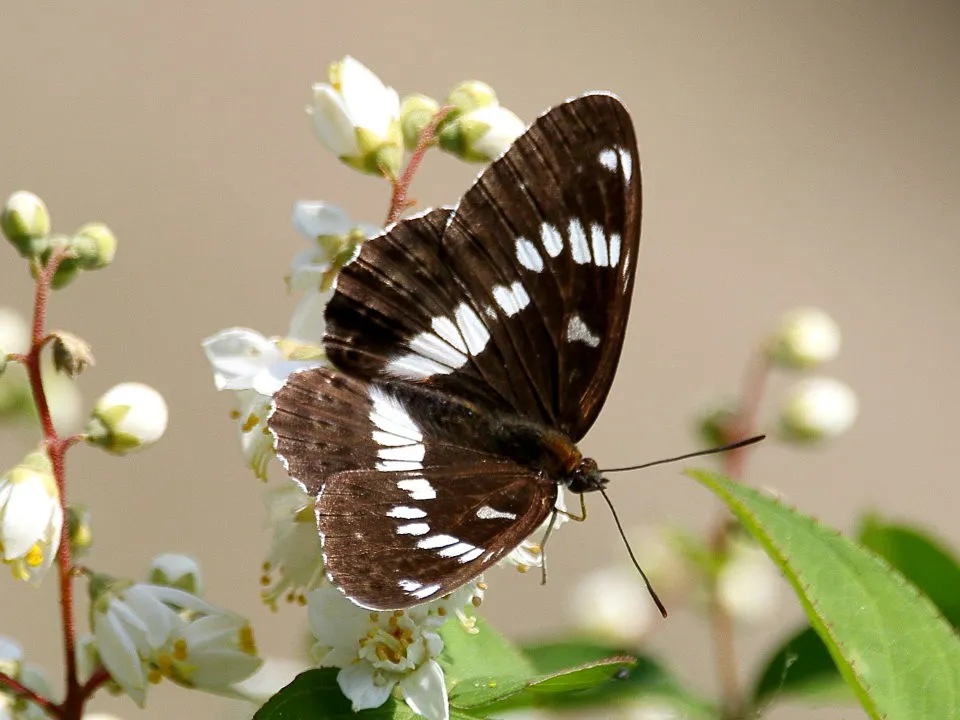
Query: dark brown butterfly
x: 473, y: 348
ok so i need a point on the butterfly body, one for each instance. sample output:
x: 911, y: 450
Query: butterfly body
x: 472, y: 349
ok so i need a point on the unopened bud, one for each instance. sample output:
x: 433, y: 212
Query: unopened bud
x: 805, y: 338
x: 128, y: 417
x: 416, y: 112
x: 177, y: 571
x: 481, y: 135
x: 79, y: 530
x: 817, y: 409
x: 471, y: 95
x: 24, y: 221
x: 94, y: 246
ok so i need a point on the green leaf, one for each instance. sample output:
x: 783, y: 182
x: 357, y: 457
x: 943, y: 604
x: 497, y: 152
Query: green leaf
x: 803, y: 665
x: 924, y: 561
x: 645, y: 679
x: 891, y: 645
x: 315, y: 695
x: 486, y: 691
x: 469, y: 654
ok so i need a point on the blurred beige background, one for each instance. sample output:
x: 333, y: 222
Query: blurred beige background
x: 794, y: 153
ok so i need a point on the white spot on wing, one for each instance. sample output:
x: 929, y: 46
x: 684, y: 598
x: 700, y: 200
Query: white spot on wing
x: 552, y: 239
x: 413, y: 529
x: 528, y: 255
x: 614, y: 249
x: 598, y: 243
x: 390, y: 417
x: 403, y: 512
x: 511, y: 299
x: 384, y: 438
x: 436, y: 541
x: 418, y: 488
x: 471, y: 556
x: 427, y: 591
x: 409, y: 585
x: 415, y: 367
x: 455, y: 550
x: 472, y: 328
x: 409, y: 453
x: 578, y: 242
x: 488, y: 513
x: 577, y: 331
x: 608, y: 158
x: 626, y: 163
x: 445, y: 328
x: 398, y: 465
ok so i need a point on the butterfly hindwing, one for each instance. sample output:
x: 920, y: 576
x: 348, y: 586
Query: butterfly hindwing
x: 519, y: 301
x: 411, y: 502
x: 398, y: 538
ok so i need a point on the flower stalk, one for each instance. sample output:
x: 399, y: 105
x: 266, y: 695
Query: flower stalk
x: 399, y: 199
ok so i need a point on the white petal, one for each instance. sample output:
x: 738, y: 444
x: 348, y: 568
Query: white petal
x: 25, y: 517
x: 307, y: 323
x: 307, y: 270
x: 369, y: 103
x: 425, y: 692
x: 236, y: 355
x: 314, y: 218
x: 118, y: 654
x: 332, y: 123
x: 272, y: 378
x: 218, y: 667
x: 356, y: 681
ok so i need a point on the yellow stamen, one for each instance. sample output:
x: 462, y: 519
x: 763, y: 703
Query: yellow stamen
x: 180, y: 650
x: 250, y: 423
x: 247, y: 642
x: 34, y: 556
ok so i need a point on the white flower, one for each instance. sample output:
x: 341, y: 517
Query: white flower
x: 273, y: 675
x: 612, y: 603
x: 335, y: 240
x: 357, y: 118
x: 748, y: 586
x: 255, y: 367
x: 529, y: 554
x: 11, y: 656
x: 818, y: 409
x: 147, y: 632
x: 294, y: 565
x: 378, y: 651
x: 481, y: 135
x: 176, y: 570
x: 129, y: 416
x: 30, y: 676
x: 804, y: 339
x: 31, y: 519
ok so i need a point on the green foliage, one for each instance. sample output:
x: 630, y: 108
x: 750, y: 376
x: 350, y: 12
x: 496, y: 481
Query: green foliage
x: 892, y: 646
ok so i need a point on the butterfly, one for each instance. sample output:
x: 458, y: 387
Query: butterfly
x: 472, y: 348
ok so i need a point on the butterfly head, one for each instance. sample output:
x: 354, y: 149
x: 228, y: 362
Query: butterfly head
x: 586, y: 477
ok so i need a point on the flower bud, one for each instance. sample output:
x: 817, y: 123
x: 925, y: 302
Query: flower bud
x: 177, y: 571
x: 94, y: 246
x: 748, y: 584
x: 128, y: 417
x: 71, y: 354
x: 25, y: 220
x: 715, y: 423
x: 481, y: 135
x: 357, y: 118
x: 817, y: 409
x: 79, y: 530
x: 804, y: 339
x: 416, y: 112
x: 471, y: 95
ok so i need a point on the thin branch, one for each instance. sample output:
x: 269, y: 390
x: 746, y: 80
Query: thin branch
x: 72, y: 706
x: 21, y: 690
x: 401, y: 187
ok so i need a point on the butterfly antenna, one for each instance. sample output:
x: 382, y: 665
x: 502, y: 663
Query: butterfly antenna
x: 633, y: 558
x: 699, y: 453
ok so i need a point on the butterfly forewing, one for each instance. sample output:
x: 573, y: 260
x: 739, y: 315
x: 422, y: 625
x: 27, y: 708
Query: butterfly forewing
x: 536, y: 267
